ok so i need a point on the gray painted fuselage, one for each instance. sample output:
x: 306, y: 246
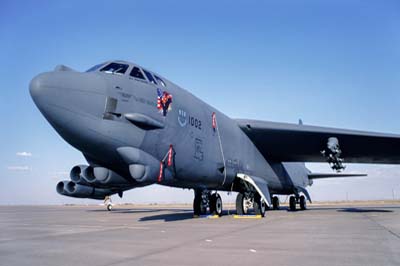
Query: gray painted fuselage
x: 74, y: 103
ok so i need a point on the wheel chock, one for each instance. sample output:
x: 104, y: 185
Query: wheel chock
x: 211, y: 216
x: 258, y: 216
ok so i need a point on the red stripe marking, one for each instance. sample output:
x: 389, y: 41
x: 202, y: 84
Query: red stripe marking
x: 170, y: 155
x: 159, y: 179
x: 214, y: 120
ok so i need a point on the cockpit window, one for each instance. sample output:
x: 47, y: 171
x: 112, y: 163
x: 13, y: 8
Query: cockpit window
x: 150, y: 77
x: 115, y: 68
x: 94, y: 68
x: 137, y: 73
x: 160, y: 81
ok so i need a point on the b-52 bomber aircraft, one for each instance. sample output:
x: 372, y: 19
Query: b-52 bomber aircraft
x: 136, y: 128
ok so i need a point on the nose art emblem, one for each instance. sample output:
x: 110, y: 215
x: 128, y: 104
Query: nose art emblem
x: 164, y: 101
x: 182, y: 118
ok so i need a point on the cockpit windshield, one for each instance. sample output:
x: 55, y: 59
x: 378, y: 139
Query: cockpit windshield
x: 115, y: 68
x: 94, y: 68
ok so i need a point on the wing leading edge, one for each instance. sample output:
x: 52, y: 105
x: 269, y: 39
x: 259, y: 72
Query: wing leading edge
x: 302, y: 143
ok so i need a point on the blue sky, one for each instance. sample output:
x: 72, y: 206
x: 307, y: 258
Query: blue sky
x: 331, y: 63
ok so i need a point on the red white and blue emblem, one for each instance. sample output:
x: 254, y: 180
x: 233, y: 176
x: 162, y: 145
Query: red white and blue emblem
x: 164, y: 100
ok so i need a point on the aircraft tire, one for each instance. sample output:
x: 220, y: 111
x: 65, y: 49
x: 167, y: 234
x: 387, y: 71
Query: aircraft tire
x: 303, y: 203
x: 259, y: 206
x: 239, y: 204
x: 275, y: 203
x: 292, y: 203
x: 109, y: 207
x: 216, y: 204
x: 198, y: 206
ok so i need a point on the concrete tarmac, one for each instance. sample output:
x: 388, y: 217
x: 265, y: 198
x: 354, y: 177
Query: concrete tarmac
x: 129, y: 235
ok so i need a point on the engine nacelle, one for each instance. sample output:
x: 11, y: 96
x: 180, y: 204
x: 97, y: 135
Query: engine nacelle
x: 104, y: 176
x: 76, y: 175
x: 96, y: 176
x: 72, y: 189
x: 143, y: 167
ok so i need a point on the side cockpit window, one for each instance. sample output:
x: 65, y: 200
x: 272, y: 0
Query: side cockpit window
x: 160, y: 81
x: 137, y: 73
x: 150, y: 77
x: 115, y: 68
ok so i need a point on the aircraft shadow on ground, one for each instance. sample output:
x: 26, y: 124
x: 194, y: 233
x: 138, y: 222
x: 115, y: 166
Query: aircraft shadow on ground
x: 169, y: 217
x: 362, y: 210
x: 127, y: 210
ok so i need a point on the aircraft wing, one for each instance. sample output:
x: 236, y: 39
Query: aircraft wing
x: 332, y: 175
x: 302, y: 143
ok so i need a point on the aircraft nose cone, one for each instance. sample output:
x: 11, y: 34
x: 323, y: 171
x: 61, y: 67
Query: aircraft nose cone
x: 47, y: 94
x: 70, y: 101
x: 37, y: 87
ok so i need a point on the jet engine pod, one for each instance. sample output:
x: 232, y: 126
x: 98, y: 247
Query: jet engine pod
x: 72, y: 189
x: 107, y: 177
x: 143, y: 167
x: 79, y: 191
x: 60, y: 187
x: 76, y: 174
x: 96, y: 176
x: 88, y: 175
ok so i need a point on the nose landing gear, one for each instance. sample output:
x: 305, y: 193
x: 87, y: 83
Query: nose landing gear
x: 108, y: 203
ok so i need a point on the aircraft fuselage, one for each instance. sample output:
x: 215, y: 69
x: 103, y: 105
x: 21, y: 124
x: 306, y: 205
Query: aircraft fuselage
x: 150, y: 132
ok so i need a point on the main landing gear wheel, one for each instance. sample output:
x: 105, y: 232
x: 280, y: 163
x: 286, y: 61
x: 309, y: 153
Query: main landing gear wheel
x: 303, y: 203
x: 259, y: 205
x: 109, y: 207
x: 292, y: 203
x: 243, y: 204
x: 275, y: 203
x: 199, y: 206
x: 216, y: 204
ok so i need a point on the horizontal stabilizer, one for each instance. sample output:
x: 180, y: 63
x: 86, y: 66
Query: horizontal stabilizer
x: 332, y: 175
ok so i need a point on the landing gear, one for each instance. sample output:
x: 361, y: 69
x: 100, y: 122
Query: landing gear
x: 259, y: 205
x: 243, y: 204
x: 292, y: 203
x: 293, y: 200
x: 108, y: 203
x: 216, y: 204
x: 204, y: 199
x: 275, y: 203
x: 303, y: 203
x: 199, y: 206
x: 246, y: 201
